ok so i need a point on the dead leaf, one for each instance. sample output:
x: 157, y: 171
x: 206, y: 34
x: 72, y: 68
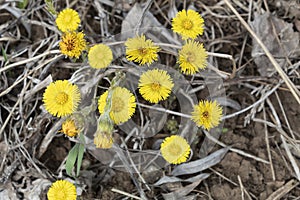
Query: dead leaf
x: 172, y: 179
x: 149, y: 26
x: 182, y: 192
x: 289, y: 42
x: 8, y: 192
x: 201, y: 164
x: 38, y: 187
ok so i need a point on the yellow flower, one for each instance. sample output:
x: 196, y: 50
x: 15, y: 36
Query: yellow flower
x: 207, y: 114
x: 189, y: 24
x: 192, y: 57
x: 100, y: 56
x: 67, y: 20
x: 69, y: 128
x: 122, y: 107
x: 72, y: 44
x: 155, y: 85
x: 175, y: 149
x: 61, y: 98
x: 62, y: 190
x: 140, y: 50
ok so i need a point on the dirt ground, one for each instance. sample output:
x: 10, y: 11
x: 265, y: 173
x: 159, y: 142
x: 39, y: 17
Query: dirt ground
x: 263, y: 159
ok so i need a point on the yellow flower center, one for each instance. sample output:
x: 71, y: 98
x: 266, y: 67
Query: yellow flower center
x: 68, y: 19
x: 61, y: 194
x: 205, y: 114
x: 143, y: 51
x: 61, y: 98
x: 155, y: 86
x: 174, y: 149
x: 187, y: 24
x: 117, y: 104
x: 190, y: 57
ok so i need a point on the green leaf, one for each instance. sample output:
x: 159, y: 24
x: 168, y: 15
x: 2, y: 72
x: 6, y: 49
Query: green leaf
x: 72, y: 159
x: 4, y: 54
x: 22, y: 4
x: 80, y: 154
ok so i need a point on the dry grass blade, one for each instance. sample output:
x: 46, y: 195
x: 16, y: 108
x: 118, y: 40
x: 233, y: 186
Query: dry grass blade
x: 29, y: 60
x: 286, y: 79
x: 125, y: 194
x: 279, y: 193
x: 292, y: 159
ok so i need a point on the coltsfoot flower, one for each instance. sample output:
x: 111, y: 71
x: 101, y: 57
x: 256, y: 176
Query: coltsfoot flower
x: 100, y: 56
x: 192, y: 57
x: 189, y: 24
x: 123, y: 104
x: 103, y: 140
x: 140, y: 50
x: 67, y: 20
x: 72, y: 44
x: 62, y: 190
x: 207, y: 114
x: 61, y: 98
x: 155, y: 85
x: 175, y: 149
x: 69, y: 128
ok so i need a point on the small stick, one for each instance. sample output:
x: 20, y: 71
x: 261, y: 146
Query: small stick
x: 125, y: 194
x: 268, y: 146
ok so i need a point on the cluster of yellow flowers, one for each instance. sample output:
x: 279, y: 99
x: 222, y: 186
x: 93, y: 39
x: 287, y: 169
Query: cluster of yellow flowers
x: 117, y: 105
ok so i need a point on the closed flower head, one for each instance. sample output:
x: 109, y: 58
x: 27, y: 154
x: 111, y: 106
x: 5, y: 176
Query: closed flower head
x: 62, y: 190
x: 69, y: 128
x: 103, y: 140
x: 61, y: 98
x: 122, y: 104
x: 100, y: 56
x: 72, y: 44
x: 103, y: 136
x: 189, y: 24
x: 192, y: 57
x: 175, y: 149
x: 207, y: 114
x: 155, y: 85
x: 140, y: 50
x: 67, y: 20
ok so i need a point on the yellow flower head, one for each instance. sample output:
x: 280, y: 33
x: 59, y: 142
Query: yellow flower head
x: 122, y: 107
x: 192, y: 57
x: 189, y: 24
x: 67, y: 20
x: 207, y: 114
x: 69, y: 128
x: 175, y: 149
x: 72, y: 44
x: 155, y: 85
x: 100, y: 56
x: 61, y: 98
x: 140, y: 50
x: 62, y: 190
